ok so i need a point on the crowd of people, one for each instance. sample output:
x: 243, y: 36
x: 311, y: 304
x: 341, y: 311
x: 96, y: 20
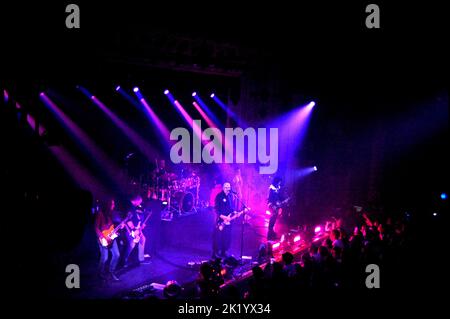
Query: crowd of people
x: 337, y: 261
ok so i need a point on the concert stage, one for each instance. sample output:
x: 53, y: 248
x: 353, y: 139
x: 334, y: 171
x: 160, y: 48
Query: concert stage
x: 177, y: 248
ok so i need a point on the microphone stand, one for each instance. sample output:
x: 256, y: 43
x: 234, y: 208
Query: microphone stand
x: 240, y: 202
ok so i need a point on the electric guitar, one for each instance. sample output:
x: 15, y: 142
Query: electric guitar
x: 222, y: 222
x: 279, y: 204
x: 111, y: 233
x: 137, y: 232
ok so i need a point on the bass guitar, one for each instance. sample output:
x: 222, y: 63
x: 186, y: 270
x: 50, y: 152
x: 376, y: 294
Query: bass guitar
x: 112, y: 233
x: 137, y: 232
x: 226, y: 221
x: 279, y: 204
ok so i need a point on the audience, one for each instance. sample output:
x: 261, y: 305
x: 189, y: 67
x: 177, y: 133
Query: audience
x: 338, y: 262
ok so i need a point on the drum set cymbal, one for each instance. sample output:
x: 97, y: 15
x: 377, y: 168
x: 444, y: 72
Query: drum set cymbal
x: 179, y: 192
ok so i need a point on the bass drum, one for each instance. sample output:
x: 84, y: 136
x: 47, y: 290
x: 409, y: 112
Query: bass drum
x: 184, y: 201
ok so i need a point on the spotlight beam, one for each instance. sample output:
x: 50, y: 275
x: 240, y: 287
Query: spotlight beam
x: 204, y: 116
x: 207, y: 110
x: 162, y: 130
x: 86, y: 143
x: 79, y: 174
x: 132, y: 135
x: 224, y: 107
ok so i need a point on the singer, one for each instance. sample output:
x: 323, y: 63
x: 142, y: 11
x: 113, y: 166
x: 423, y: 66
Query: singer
x: 224, y: 208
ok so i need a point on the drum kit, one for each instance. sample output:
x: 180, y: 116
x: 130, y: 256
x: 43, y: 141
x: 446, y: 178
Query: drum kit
x: 179, y: 195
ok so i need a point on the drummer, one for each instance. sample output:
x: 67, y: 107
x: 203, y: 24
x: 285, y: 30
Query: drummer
x: 162, y: 179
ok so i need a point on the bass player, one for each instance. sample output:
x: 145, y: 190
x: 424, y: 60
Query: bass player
x: 106, y: 225
x: 135, y: 225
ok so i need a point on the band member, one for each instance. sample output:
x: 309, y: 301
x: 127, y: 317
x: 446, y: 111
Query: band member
x: 275, y: 198
x: 223, y: 206
x: 162, y: 179
x: 107, y: 219
x: 135, y: 226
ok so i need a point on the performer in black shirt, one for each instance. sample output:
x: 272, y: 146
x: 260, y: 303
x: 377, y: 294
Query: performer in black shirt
x: 274, y: 202
x: 135, y: 226
x: 224, y: 208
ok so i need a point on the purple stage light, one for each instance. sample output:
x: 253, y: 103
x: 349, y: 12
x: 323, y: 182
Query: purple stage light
x: 315, y: 168
x: 194, y: 94
x: 317, y: 229
x: 311, y: 104
x: 166, y: 92
x: 212, y: 95
x: 135, y: 89
x: 118, y: 88
x: 204, y: 115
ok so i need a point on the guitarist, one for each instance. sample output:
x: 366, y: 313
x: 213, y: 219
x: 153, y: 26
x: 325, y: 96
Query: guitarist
x: 275, y: 198
x: 135, y: 226
x: 224, y: 208
x: 104, y: 219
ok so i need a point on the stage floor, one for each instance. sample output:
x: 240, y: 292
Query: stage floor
x: 176, y: 249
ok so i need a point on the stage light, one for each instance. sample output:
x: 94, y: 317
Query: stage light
x: 297, y: 238
x: 118, y: 88
x: 268, y: 212
x: 311, y: 104
x: 276, y: 246
x: 136, y: 89
x: 434, y: 214
x: 282, y: 238
x: 317, y: 229
x: 212, y: 95
x: 166, y: 92
x: 41, y: 94
x: 194, y: 94
x: 443, y: 196
x: 315, y: 168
